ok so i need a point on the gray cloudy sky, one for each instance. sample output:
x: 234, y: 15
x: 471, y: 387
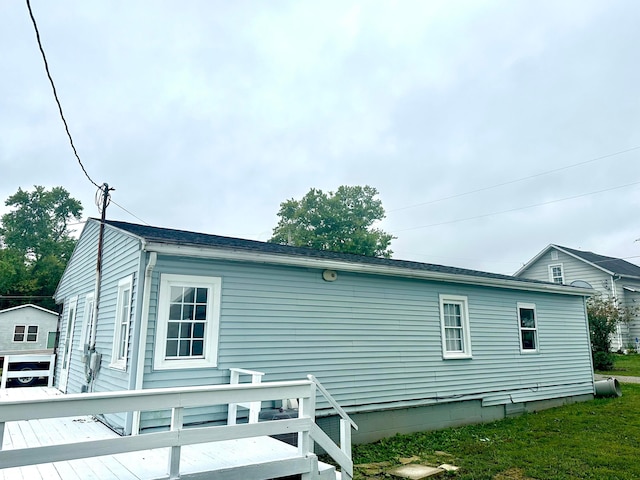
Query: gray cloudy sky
x: 205, y: 115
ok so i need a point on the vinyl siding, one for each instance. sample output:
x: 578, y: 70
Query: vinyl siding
x: 601, y: 281
x: 120, y: 259
x: 375, y: 342
x: 632, y: 301
x: 27, y: 316
x: 573, y: 270
x: 77, y: 281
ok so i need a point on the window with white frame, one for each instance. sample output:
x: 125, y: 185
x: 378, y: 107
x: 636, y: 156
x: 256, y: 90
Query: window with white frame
x: 24, y: 333
x: 528, y: 323
x: 188, y: 322
x: 122, y: 322
x: 454, y: 320
x: 555, y: 273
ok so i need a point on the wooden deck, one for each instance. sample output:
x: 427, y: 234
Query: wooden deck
x: 239, y: 459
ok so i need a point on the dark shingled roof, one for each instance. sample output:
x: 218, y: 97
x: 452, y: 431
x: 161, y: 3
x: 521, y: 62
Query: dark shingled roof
x: 181, y: 237
x: 611, y: 264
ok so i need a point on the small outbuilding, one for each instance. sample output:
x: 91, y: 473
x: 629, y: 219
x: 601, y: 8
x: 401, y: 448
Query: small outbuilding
x: 27, y: 329
x: 402, y: 346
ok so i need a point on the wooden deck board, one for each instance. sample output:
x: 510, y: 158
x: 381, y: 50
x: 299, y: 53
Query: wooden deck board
x: 257, y: 457
x: 146, y: 464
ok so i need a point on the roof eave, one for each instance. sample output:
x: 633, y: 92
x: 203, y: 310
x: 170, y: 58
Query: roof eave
x: 534, y: 259
x: 577, y: 257
x: 324, y: 263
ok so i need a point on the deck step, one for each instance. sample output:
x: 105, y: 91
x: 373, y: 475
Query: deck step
x: 327, y: 472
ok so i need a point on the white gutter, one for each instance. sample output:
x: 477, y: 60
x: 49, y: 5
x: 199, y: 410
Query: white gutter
x: 388, y: 270
x: 144, y: 325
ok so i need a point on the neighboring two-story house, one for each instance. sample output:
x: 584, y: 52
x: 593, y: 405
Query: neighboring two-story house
x: 609, y: 276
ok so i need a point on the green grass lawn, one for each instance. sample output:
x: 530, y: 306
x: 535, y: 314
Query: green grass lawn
x: 624, y: 365
x: 599, y: 439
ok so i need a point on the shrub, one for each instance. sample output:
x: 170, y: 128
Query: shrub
x: 602, y: 361
x: 604, y: 315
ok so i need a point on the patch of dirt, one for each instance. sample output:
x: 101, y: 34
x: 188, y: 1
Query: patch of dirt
x: 512, y: 474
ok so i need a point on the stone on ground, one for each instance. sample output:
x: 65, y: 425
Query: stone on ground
x: 416, y: 472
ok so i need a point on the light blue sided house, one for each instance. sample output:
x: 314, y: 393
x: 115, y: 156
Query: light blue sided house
x: 402, y: 346
x: 608, y: 276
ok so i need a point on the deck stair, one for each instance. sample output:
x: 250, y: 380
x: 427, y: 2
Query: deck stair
x: 226, y: 452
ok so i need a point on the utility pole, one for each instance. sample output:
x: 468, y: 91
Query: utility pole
x: 93, y: 358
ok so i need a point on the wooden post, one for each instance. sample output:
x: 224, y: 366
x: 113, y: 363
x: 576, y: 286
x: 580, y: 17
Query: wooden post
x: 5, y: 372
x: 177, y: 417
x: 254, y: 407
x: 52, y: 364
x: 345, y: 444
x: 307, y: 408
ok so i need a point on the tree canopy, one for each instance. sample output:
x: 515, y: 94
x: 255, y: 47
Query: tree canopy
x: 340, y: 221
x: 35, y: 244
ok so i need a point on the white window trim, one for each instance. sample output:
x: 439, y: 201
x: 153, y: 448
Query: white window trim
x: 466, y: 331
x: 121, y: 363
x: 212, y: 329
x: 89, y: 311
x: 530, y: 306
x: 25, y: 334
x: 551, y: 267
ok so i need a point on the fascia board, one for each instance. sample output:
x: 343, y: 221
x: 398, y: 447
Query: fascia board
x: 37, y: 307
x: 321, y: 263
x: 68, y: 265
x: 533, y: 260
x: 86, y: 225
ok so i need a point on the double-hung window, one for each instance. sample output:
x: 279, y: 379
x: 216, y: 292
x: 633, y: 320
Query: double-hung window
x: 188, y: 322
x: 122, y: 321
x: 454, y: 320
x: 555, y: 273
x: 24, y: 333
x: 528, y: 323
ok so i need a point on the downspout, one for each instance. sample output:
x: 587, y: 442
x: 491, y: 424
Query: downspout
x: 142, y: 340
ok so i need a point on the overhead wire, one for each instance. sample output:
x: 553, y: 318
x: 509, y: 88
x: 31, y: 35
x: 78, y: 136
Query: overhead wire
x: 55, y: 94
x: 130, y: 213
x: 100, y: 188
x: 517, y: 208
x: 509, y: 182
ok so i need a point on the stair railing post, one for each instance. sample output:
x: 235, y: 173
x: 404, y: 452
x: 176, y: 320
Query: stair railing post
x: 307, y: 408
x: 177, y: 418
x: 345, y: 444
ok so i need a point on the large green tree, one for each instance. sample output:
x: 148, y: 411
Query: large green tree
x: 340, y: 221
x: 35, y: 244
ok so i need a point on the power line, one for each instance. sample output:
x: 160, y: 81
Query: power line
x: 516, y: 209
x: 55, y: 94
x: 132, y: 214
x: 509, y: 182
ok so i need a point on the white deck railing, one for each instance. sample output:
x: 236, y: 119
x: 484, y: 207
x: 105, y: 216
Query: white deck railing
x: 10, y: 360
x: 254, y: 407
x: 176, y: 399
x: 346, y: 424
